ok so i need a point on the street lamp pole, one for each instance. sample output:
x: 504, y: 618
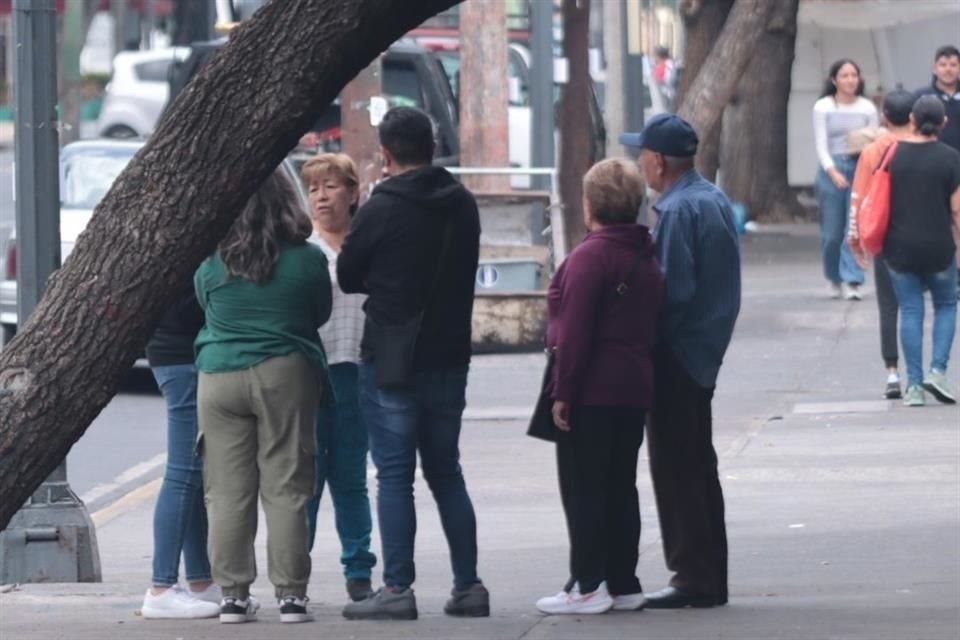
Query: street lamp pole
x: 52, y: 538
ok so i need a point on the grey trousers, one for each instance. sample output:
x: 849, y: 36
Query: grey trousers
x: 257, y: 434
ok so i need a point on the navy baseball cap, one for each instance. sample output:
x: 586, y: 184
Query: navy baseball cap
x: 666, y: 133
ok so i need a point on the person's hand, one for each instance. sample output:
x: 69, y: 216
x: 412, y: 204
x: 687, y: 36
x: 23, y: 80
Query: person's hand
x: 839, y: 181
x: 561, y: 415
x: 858, y: 253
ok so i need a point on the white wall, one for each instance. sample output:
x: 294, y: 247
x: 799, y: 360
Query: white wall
x: 908, y: 48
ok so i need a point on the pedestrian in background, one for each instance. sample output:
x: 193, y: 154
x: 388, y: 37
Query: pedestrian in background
x: 179, y: 517
x: 919, y: 248
x: 699, y: 254
x: 603, y: 306
x: 896, y: 116
x: 264, y: 293
x: 840, y: 110
x: 333, y: 193
x: 413, y: 248
x: 946, y: 85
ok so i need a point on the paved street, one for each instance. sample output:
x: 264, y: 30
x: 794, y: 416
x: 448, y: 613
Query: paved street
x: 843, y: 509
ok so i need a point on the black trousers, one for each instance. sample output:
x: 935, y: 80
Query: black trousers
x: 597, y: 465
x: 683, y: 465
x: 888, y: 307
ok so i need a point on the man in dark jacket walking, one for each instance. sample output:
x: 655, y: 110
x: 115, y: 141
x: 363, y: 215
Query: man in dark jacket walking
x: 413, y: 249
x: 700, y: 256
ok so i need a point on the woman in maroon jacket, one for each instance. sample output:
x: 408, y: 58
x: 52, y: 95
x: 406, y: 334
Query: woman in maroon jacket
x: 603, y: 305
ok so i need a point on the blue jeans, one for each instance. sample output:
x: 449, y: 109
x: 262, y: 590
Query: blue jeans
x: 839, y: 265
x: 180, y: 517
x: 424, y: 418
x: 909, y: 288
x: 342, y: 463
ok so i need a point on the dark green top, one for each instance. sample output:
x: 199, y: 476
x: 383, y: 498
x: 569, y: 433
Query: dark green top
x: 247, y: 323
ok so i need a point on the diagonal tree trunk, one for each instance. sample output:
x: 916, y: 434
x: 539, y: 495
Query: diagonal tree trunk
x: 225, y: 133
x: 754, y: 148
x: 717, y: 80
x: 703, y: 22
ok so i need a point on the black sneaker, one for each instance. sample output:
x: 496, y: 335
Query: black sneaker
x: 892, y: 390
x: 294, y: 609
x: 234, y: 610
x: 472, y: 602
x: 359, y: 589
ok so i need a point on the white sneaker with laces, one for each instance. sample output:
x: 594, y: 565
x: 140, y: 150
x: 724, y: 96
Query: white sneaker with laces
x: 629, y: 602
x: 852, y: 291
x: 176, y: 604
x: 575, y: 602
x: 834, y: 291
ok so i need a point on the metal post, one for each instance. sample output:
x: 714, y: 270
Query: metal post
x: 635, y: 96
x: 52, y: 538
x: 541, y: 87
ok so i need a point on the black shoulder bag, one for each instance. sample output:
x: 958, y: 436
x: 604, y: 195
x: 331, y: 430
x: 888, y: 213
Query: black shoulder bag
x: 541, y: 422
x: 395, y: 345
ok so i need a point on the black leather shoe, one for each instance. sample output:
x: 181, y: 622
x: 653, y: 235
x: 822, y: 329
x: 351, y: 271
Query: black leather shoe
x: 678, y: 598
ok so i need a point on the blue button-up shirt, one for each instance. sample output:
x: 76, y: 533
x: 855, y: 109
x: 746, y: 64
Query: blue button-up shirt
x: 700, y: 256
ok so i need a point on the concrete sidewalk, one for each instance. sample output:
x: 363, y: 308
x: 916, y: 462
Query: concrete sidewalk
x: 843, y: 510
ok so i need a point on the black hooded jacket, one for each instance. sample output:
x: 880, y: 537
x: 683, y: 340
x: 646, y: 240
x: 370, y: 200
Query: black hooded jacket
x: 392, y: 254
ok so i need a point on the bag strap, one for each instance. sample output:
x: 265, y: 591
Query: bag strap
x: 887, y: 157
x: 623, y: 287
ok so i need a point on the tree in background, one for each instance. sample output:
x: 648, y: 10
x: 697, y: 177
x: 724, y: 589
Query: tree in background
x: 232, y: 125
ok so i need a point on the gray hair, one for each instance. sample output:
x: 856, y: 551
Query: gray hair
x: 272, y: 218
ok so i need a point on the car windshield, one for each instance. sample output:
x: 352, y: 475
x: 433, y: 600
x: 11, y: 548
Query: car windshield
x: 88, y: 174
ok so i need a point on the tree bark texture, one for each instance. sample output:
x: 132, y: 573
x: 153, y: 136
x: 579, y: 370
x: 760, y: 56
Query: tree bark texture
x: 754, y: 149
x: 703, y: 22
x: 715, y: 84
x: 226, y: 132
x: 576, y: 146
x: 484, y: 92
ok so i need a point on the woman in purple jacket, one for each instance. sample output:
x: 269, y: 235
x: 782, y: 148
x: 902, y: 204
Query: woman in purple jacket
x: 603, y: 305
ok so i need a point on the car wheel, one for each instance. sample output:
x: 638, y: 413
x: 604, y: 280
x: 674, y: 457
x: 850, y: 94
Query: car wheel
x: 120, y: 132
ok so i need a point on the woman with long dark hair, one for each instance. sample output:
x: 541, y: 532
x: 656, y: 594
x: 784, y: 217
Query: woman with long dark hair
x: 265, y: 292
x: 919, y: 248
x: 840, y: 110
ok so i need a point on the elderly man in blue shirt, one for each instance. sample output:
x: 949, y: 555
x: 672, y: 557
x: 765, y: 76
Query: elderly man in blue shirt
x: 700, y: 256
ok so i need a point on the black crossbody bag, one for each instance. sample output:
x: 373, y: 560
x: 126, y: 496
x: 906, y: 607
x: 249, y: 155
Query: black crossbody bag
x: 541, y: 422
x: 395, y: 345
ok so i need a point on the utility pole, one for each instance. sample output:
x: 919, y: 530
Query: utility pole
x: 484, y: 92
x: 73, y: 34
x: 361, y: 107
x: 614, y: 50
x: 541, y: 88
x: 51, y: 539
x: 635, y: 96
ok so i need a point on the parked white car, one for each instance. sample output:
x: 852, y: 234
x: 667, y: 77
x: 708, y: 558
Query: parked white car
x: 137, y: 92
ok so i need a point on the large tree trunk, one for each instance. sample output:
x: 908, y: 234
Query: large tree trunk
x: 715, y: 84
x: 576, y: 145
x: 166, y: 212
x: 703, y: 22
x: 754, y: 149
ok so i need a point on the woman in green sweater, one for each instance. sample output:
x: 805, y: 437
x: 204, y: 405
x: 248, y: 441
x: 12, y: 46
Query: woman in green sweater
x: 264, y: 293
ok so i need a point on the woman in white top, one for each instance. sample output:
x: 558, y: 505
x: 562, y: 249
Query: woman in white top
x: 840, y: 110
x: 332, y: 189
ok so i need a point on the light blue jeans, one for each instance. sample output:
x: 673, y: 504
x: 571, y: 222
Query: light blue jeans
x: 342, y: 464
x: 839, y: 265
x: 909, y: 288
x: 180, y: 517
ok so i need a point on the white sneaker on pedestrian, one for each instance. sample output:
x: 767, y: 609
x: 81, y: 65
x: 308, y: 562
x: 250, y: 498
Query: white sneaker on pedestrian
x: 629, y: 602
x: 213, y: 593
x: 176, y: 604
x: 834, y: 291
x: 851, y: 291
x: 575, y: 602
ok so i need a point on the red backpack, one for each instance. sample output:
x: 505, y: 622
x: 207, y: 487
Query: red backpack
x: 874, y: 214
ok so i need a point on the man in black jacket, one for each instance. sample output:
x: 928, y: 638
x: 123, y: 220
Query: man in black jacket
x: 413, y: 249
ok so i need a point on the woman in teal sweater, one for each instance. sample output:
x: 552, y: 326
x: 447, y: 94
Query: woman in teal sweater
x: 264, y: 293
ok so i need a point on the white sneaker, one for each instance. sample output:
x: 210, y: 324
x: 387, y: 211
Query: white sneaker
x: 852, y: 291
x: 213, y: 593
x: 233, y: 610
x: 629, y: 602
x: 577, y: 603
x: 175, y: 603
x: 834, y: 291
